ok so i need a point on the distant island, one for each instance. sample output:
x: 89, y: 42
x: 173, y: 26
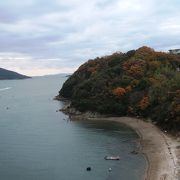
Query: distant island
x: 6, y: 74
x: 141, y: 82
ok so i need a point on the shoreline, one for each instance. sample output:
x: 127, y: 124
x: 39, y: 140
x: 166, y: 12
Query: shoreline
x: 161, y: 151
x: 157, y: 148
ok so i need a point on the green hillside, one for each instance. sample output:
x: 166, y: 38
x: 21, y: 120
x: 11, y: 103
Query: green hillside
x: 141, y: 82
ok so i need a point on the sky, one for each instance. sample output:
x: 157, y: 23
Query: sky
x: 39, y: 37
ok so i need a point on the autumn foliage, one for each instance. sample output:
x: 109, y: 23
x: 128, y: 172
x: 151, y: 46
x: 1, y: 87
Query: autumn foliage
x: 144, y: 103
x: 134, y: 67
x: 119, y: 91
x: 141, y: 82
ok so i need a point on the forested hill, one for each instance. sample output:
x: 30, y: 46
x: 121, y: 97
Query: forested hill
x: 6, y: 74
x: 141, y: 82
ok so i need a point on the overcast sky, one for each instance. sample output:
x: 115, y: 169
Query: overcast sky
x: 40, y: 37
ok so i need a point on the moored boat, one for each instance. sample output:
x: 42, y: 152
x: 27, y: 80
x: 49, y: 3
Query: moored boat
x: 112, y: 158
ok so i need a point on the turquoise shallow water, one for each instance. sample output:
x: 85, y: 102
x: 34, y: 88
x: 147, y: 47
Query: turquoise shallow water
x: 38, y: 143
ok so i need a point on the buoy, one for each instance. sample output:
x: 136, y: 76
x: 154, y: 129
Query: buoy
x: 110, y: 169
x: 88, y: 168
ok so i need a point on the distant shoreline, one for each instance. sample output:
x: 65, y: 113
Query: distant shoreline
x: 160, y: 150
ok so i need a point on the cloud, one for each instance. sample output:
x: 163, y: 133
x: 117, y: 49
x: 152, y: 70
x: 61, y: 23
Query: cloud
x: 33, y: 66
x: 74, y: 31
x: 44, y: 71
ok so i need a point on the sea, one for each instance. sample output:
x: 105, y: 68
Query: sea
x: 38, y: 142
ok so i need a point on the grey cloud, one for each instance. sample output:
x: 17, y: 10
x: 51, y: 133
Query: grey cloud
x: 72, y: 31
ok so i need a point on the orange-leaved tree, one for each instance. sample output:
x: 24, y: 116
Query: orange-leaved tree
x: 135, y: 68
x: 144, y: 103
x: 119, y: 91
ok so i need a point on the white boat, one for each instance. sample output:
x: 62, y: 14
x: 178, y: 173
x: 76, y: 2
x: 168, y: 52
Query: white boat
x: 112, y: 158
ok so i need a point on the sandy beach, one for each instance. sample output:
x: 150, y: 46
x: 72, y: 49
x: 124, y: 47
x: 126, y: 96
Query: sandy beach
x: 161, y: 151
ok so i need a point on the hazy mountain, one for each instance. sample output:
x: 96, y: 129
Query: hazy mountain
x: 6, y: 74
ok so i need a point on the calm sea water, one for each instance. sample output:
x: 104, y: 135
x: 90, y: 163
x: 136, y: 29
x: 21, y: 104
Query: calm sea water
x: 38, y: 143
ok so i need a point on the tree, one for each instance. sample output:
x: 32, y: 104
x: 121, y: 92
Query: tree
x: 144, y: 103
x: 119, y: 91
x: 135, y: 68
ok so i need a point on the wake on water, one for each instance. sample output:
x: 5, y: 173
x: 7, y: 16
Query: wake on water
x: 4, y: 89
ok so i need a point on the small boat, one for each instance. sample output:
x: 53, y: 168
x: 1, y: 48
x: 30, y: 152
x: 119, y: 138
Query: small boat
x: 134, y: 152
x: 112, y: 158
